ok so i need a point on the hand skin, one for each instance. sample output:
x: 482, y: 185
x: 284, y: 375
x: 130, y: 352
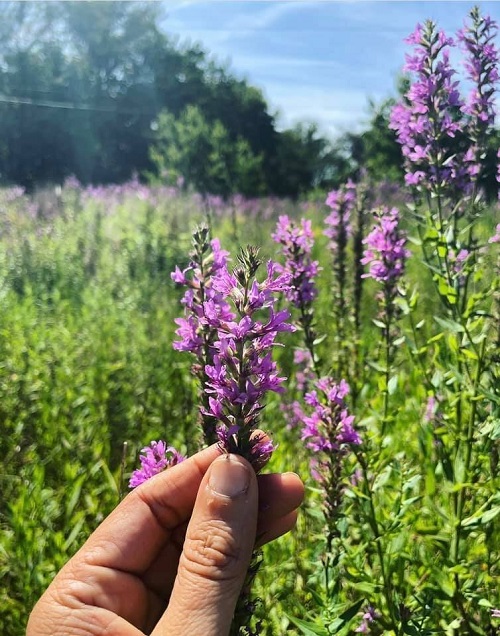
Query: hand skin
x: 172, y: 557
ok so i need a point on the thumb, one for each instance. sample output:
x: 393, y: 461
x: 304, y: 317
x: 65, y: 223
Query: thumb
x: 216, y: 553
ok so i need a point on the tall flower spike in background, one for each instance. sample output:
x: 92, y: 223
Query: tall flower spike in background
x: 385, y: 251
x: 428, y: 123
x: 481, y: 64
x: 342, y: 203
x: 385, y: 255
x: 297, y: 242
x: 329, y: 433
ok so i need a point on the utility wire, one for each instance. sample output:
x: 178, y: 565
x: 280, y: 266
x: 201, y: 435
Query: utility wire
x: 46, y: 103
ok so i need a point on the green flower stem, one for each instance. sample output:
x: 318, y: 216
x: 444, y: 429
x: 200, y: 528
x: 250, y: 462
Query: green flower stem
x: 372, y: 520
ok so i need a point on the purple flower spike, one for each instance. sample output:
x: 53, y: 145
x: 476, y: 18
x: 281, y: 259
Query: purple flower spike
x: 155, y: 458
x: 444, y: 137
x: 341, y: 203
x: 202, y: 299
x: 328, y: 429
x: 481, y: 65
x: 385, y: 251
x: 426, y: 122
x: 297, y: 242
x: 242, y: 370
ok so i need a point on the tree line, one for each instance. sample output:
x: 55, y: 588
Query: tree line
x: 100, y: 91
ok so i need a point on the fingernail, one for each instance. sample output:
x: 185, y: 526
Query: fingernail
x: 228, y: 477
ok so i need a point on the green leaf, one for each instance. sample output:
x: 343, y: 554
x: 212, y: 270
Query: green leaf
x: 446, y: 290
x: 445, y: 582
x: 350, y: 612
x: 489, y: 515
x: 307, y: 628
x: 431, y: 234
x: 73, y: 534
x: 451, y: 325
x: 392, y: 385
x: 75, y: 496
x: 469, y: 354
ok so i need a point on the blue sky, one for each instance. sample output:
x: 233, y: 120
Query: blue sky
x: 314, y: 60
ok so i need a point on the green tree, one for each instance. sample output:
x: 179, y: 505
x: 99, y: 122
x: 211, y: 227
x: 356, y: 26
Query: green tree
x: 81, y: 84
x: 375, y: 150
x: 306, y: 160
x: 203, y: 154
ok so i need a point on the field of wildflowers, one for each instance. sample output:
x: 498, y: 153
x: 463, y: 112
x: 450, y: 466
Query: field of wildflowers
x: 361, y: 334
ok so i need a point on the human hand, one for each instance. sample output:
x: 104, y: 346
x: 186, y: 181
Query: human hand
x: 172, y: 557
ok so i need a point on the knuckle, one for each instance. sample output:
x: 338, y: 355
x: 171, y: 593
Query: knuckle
x: 212, y: 551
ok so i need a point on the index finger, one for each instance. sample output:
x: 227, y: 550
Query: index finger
x: 130, y: 538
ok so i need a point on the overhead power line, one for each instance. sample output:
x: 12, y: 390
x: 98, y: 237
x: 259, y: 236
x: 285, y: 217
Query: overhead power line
x: 46, y: 103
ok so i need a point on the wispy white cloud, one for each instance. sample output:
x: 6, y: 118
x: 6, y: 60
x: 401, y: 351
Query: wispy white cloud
x: 335, y: 111
x: 252, y: 17
x: 316, y: 60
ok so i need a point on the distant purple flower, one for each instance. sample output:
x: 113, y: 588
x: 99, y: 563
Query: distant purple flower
x: 428, y: 123
x: 481, y: 64
x: 293, y: 413
x: 327, y: 425
x: 304, y: 374
x: 430, y: 409
x: 242, y: 370
x: 156, y: 458
x: 297, y: 242
x: 458, y: 264
x: 385, y: 251
x: 72, y: 183
x: 496, y: 237
x: 495, y: 613
x: 341, y: 203
x: 338, y: 228
x: 369, y: 616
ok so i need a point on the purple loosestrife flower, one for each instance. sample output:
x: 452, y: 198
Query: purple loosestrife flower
x: 495, y: 613
x: 458, y: 264
x: 304, y: 374
x: 430, y: 409
x: 429, y: 124
x: 481, y: 64
x: 297, y: 242
x: 206, y: 259
x: 496, y: 237
x: 385, y: 254
x: 329, y: 426
x: 242, y: 369
x: 385, y: 251
x: 195, y: 334
x: 329, y: 433
x: 341, y: 203
x: 156, y: 458
x: 369, y: 616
